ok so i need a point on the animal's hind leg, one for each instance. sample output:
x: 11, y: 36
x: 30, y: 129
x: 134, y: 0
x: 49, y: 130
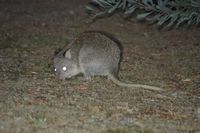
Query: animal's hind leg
x: 114, y: 74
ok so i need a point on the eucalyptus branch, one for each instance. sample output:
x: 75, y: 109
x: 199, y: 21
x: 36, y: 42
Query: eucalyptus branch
x: 165, y: 13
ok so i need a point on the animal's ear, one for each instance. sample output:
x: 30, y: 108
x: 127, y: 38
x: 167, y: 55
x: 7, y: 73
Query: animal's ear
x: 68, y: 54
x: 57, y: 51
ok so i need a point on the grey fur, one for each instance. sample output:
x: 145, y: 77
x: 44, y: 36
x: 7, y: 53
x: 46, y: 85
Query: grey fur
x: 93, y: 53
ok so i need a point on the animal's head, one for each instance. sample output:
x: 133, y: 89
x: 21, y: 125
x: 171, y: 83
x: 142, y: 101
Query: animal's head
x: 65, y: 66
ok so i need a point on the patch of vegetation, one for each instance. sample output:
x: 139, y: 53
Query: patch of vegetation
x: 128, y: 130
x: 165, y: 13
x: 34, y: 40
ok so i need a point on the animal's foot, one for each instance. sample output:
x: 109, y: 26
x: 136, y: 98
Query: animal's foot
x: 87, y: 77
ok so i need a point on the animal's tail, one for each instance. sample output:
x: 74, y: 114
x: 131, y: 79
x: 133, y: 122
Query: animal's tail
x: 120, y: 83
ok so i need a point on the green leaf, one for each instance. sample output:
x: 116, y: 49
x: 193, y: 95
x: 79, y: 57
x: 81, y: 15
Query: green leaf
x: 195, y: 3
x: 124, y: 5
x: 103, y: 3
x: 180, y: 21
x: 154, y: 19
x: 114, y: 8
x: 163, y: 19
x: 89, y: 8
x: 130, y: 10
x: 100, y: 14
x: 142, y: 16
x: 160, y: 3
x: 174, y: 17
x: 198, y: 20
x: 147, y: 2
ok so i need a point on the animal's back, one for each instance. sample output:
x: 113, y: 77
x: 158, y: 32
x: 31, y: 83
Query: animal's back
x: 99, y: 53
x: 93, y: 53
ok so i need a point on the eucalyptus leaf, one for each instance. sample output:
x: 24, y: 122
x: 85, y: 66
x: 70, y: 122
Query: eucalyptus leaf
x: 103, y: 3
x: 153, y: 19
x: 162, y: 20
x: 100, y: 14
x: 114, y: 8
x: 180, y: 21
x: 99, y: 3
x: 160, y: 3
x: 142, y: 16
x: 198, y: 20
x: 146, y: 2
x: 195, y: 3
x: 89, y: 8
x: 124, y: 5
x: 173, y: 17
x: 130, y: 10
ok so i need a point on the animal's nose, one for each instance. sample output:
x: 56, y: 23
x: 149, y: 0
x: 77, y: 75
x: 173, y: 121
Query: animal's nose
x: 61, y: 77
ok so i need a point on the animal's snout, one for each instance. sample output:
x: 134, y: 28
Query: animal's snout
x: 58, y: 76
x: 61, y: 77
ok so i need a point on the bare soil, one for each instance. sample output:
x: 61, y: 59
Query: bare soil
x: 33, y: 100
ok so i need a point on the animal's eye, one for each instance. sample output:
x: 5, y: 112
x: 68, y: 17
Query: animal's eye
x: 55, y: 69
x: 64, y: 68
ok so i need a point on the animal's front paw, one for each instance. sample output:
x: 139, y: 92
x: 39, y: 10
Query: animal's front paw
x: 87, y: 77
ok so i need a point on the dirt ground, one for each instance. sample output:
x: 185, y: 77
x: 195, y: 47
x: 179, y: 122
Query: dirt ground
x: 33, y: 100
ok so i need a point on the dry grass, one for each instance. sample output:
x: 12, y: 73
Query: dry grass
x: 33, y: 100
